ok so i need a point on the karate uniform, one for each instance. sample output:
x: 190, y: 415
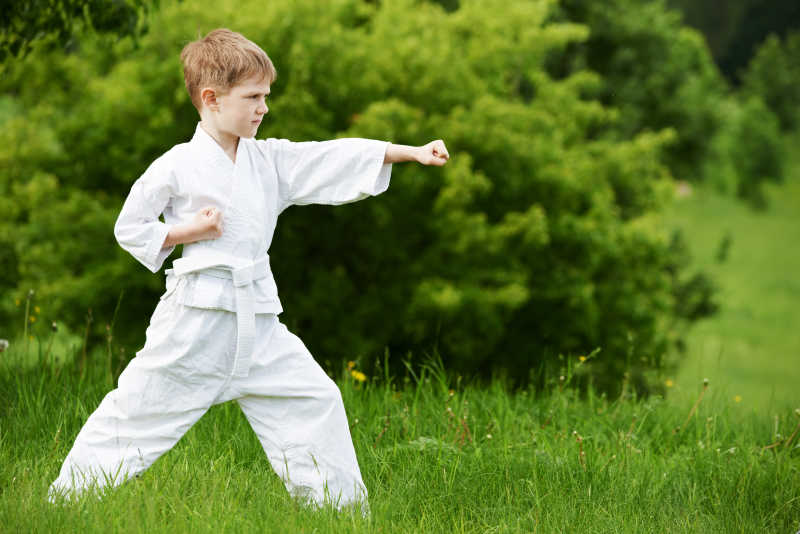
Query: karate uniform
x: 215, y: 335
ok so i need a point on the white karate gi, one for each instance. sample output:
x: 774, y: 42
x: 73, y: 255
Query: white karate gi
x: 215, y: 335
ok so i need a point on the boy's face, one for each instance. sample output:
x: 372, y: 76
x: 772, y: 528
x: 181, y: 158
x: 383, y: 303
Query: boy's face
x: 241, y: 109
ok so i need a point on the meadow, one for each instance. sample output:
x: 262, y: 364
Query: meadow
x: 441, y: 454
x: 437, y: 456
x: 751, y: 347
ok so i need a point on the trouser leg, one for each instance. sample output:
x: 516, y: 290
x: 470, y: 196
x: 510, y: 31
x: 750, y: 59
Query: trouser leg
x: 164, y: 390
x: 297, y: 412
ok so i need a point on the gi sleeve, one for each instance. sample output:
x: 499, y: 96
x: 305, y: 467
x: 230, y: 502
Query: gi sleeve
x: 329, y: 172
x: 138, y: 229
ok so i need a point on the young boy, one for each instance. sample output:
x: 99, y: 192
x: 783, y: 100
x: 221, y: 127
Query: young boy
x: 215, y: 334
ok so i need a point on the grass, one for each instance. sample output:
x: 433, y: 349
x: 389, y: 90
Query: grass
x: 436, y: 455
x: 751, y: 348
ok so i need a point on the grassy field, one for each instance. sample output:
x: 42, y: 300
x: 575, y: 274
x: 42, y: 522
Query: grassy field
x: 436, y: 456
x: 751, y: 348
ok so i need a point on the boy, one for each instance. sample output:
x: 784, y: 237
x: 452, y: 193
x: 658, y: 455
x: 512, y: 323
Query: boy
x: 215, y: 335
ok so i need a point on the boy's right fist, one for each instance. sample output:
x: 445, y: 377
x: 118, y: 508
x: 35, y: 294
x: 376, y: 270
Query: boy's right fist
x: 208, y: 222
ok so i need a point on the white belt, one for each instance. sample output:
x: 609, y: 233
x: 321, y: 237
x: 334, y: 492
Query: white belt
x: 243, y: 273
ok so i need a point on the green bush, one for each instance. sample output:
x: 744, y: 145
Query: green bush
x: 536, y: 240
x: 747, y: 151
x: 657, y: 72
x: 774, y: 75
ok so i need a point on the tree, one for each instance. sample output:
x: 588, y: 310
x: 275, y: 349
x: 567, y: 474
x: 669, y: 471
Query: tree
x: 734, y: 30
x: 56, y: 22
x: 774, y: 75
x: 657, y: 72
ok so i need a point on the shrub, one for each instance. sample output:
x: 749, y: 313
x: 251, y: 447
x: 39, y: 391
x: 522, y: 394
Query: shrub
x: 657, y: 72
x: 748, y: 150
x: 537, y: 239
x: 773, y: 74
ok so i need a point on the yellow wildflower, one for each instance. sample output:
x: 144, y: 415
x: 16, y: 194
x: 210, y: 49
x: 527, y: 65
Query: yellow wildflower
x: 32, y: 318
x: 16, y: 301
x: 36, y: 309
x: 737, y: 398
x: 582, y: 358
x: 350, y: 365
x: 358, y: 375
x: 669, y: 383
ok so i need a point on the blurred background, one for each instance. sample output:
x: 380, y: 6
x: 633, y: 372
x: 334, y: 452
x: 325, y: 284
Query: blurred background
x: 621, y: 203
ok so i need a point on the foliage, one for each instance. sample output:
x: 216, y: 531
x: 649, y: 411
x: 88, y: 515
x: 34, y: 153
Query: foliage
x: 774, y: 75
x: 758, y: 156
x: 734, y: 30
x: 57, y: 22
x: 537, y: 239
x: 748, y: 150
x: 657, y: 72
x: 660, y: 75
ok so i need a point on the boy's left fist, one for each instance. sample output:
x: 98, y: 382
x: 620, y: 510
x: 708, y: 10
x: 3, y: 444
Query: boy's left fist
x: 434, y: 153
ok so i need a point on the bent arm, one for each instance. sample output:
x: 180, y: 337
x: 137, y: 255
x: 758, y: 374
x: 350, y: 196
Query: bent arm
x: 178, y: 235
x: 181, y: 234
x: 138, y: 229
x: 207, y: 224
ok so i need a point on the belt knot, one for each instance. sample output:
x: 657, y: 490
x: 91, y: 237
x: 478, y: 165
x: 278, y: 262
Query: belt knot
x: 243, y: 275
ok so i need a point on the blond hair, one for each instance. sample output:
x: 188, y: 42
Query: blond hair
x: 220, y: 60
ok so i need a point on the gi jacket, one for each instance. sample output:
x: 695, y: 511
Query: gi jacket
x: 267, y: 177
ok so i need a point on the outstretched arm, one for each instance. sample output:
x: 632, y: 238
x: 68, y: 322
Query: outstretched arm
x: 340, y: 170
x: 434, y: 153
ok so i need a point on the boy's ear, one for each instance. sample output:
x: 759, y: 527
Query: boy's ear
x: 209, y: 98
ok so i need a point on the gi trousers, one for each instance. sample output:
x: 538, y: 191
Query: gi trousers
x: 185, y: 367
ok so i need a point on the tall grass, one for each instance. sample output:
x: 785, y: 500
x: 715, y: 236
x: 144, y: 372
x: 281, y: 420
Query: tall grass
x: 437, y: 455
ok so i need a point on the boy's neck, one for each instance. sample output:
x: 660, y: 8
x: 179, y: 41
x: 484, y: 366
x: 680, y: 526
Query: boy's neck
x: 228, y: 142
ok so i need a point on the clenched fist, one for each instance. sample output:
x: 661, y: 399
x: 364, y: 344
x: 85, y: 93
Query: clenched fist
x: 434, y: 153
x: 208, y: 222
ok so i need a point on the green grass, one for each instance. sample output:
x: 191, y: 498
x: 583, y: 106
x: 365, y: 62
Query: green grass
x: 474, y: 460
x: 751, y: 348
